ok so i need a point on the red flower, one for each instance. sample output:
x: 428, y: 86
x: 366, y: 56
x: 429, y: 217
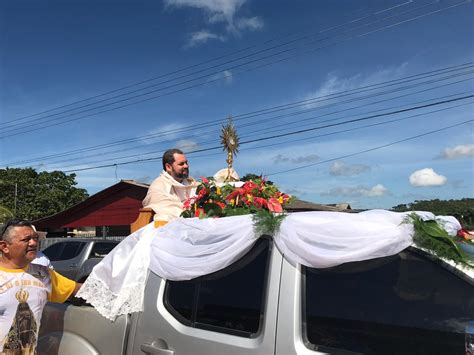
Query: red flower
x: 233, y: 195
x: 201, y: 194
x: 199, y: 212
x: 204, y: 180
x: 274, y: 205
x: 249, y: 186
x: 187, y: 204
x: 466, y: 234
x: 220, y: 204
x: 260, y: 202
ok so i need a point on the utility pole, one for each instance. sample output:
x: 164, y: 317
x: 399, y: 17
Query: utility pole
x: 16, y: 196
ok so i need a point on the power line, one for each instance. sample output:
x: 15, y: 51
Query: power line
x: 371, y: 149
x: 210, y: 81
x: 288, y: 133
x: 290, y: 141
x: 358, y: 119
x: 210, y: 61
x: 256, y: 132
x: 291, y: 105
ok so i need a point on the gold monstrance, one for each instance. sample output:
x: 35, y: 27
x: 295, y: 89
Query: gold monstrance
x: 230, y: 142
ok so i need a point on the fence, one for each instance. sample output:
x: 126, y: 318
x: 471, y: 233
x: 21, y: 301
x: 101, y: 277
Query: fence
x: 50, y: 241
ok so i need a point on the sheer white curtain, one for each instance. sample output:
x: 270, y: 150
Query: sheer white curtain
x: 188, y: 248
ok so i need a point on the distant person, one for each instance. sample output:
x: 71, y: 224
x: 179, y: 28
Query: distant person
x: 167, y: 193
x: 25, y: 288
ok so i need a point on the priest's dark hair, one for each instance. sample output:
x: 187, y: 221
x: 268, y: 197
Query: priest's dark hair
x: 168, y: 156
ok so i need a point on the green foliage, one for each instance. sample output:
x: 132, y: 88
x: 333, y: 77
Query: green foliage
x: 38, y: 194
x: 430, y: 235
x: 255, y: 197
x: 462, y: 209
x: 267, y: 223
x: 5, y: 214
x: 253, y: 177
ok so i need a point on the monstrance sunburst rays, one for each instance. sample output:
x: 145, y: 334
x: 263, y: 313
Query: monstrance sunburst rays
x: 230, y: 142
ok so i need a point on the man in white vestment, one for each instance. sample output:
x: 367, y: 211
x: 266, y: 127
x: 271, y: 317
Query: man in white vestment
x: 167, y: 193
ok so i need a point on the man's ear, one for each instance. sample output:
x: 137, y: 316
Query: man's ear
x: 168, y: 167
x: 3, y: 246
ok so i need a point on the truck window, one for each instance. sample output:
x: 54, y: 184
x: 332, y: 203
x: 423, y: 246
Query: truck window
x: 405, y: 304
x: 228, y: 301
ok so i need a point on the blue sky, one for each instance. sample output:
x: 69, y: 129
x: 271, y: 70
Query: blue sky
x: 313, y: 65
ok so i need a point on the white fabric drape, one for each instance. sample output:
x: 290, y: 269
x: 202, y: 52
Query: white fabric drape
x: 325, y: 239
x: 188, y: 248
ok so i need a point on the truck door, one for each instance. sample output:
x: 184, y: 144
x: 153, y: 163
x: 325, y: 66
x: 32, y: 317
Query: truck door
x: 232, y: 311
x: 67, y: 329
x: 401, y: 304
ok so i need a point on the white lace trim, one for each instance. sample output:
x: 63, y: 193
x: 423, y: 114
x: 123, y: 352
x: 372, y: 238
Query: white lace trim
x: 109, y: 304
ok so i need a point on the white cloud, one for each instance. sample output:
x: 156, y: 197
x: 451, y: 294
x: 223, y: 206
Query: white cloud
x: 375, y: 191
x: 167, y: 132
x: 311, y: 158
x: 334, y: 83
x: 340, y: 168
x: 202, y: 37
x: 225, y: 75
x: 459, y: 151
x: 216, y: 12
x: 427, y: 177
x: 249, y: 23
x: 187, y: 145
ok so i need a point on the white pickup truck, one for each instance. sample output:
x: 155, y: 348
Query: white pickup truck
x: 408, y: 303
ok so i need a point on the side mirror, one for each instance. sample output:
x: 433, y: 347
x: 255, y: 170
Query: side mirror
x: 470, y: 338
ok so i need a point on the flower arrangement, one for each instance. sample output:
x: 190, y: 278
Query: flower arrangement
x: 256, y: 196
x: 430, y: 235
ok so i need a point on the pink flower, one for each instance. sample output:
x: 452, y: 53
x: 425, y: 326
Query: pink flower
x: 274, y: 205
x: 204, y: 180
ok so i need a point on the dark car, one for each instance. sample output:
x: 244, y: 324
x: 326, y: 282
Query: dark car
x: 75, y: 258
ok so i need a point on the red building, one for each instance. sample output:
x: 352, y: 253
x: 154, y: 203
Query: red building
x: 109, y: 212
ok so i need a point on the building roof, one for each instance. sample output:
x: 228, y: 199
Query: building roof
x: 300, y: 205
x: 118, y: 204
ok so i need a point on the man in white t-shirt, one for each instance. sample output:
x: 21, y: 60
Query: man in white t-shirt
x: 167, y: 193
x: 25, y: 288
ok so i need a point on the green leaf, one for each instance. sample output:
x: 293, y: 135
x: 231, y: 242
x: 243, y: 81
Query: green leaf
x: 430, y: 235
x: 433, y: 229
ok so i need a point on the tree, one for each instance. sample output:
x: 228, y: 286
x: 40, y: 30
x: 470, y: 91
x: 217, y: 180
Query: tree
x: 462, y: 209
x: 32, y: 195
x: 251, y: 176
x: 5, y: 214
